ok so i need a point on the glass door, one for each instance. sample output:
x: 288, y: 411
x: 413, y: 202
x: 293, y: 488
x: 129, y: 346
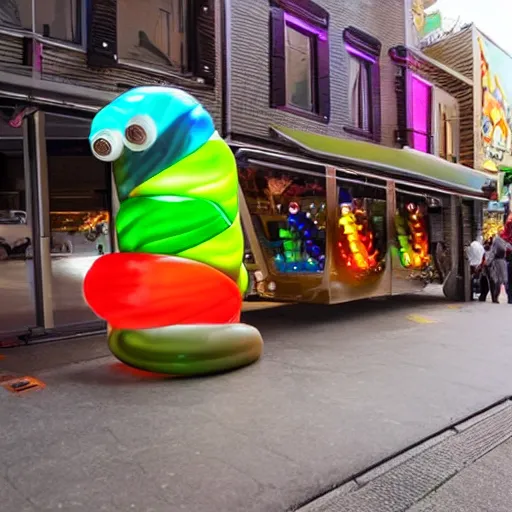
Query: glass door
x: 80, y: 215
x: 17, y: 303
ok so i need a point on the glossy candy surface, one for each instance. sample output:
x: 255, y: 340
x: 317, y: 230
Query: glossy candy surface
x: 180, y: 269
x: 187, y: 349
x: 149, y: 290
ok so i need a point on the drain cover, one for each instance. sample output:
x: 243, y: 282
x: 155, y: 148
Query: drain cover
x: 21, y: 384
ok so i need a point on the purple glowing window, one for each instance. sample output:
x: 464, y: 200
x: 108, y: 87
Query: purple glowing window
x: 358, y: 54
x: 304, y: 26
x: 420, y: 109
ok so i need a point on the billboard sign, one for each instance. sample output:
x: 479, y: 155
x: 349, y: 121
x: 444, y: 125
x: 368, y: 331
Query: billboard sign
x: 423, y: 22
x: 496, y: 106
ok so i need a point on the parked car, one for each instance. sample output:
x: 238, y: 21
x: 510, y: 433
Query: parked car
x: 15, y: 234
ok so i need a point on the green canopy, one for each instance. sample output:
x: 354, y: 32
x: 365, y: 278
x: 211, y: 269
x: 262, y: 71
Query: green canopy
x: 406, y: 163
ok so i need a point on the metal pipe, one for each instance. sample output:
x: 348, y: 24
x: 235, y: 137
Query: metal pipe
x: 48, y: 101
x: 12, y: 81
x: 229, y: 121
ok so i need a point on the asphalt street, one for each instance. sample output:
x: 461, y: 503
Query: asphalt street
x: 339, y: 388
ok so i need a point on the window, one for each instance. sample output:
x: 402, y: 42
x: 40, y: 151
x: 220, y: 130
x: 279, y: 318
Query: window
x: 447, y: 116
x: 165, y: 35
x: 361, y: 240
x: 16, y: 14
x: 152, y: 32
x: 59, y: 19
x: 288, y: 210
x: 412, y: 231
x: 299, y: 60
x: 420, y: 114
x: 55, y: 19
x: 360, y: 93
x: 298, y: 69
x: 364, y: 83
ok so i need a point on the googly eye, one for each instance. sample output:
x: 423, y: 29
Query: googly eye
x: 140, y: 133
x: 107, y: 145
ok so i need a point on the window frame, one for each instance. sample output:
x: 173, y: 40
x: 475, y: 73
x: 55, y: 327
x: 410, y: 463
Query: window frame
x: 261, y: 231
x: 52, y: 41
x: 293, y: 24
x: 362, y: 46
x: 429, y: 134
x: 309, y: 19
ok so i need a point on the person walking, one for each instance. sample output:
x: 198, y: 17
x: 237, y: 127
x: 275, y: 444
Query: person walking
x: 475, y: 254
x: 506, y: 235
x: 496, y: 263
x: 486, y: 282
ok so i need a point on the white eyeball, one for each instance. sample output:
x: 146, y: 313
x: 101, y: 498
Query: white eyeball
x: 140, y: 133
x: 107, y: 145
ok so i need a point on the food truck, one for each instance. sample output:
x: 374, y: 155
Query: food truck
x: 328, y: 220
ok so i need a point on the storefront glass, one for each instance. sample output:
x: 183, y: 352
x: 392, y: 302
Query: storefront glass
x: 289, y: 212
x: 80, y: 214
x: 152, y: 33
x: 17, y: 304
x: 360, y: 249
x: 54, y: 19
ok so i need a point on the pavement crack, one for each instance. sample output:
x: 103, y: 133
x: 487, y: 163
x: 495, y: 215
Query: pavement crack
x: 18, y: 491
x: 248, y: 438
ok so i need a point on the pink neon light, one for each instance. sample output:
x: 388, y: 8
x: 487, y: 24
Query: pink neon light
x: 298, y: 23
x: 420, y: 109
x: 357, y: 53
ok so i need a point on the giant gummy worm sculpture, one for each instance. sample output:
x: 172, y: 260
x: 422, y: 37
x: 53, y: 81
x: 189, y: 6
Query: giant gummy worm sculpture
x: 173, y: 294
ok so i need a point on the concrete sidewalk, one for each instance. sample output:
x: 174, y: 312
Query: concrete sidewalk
x: 485, y: 486
x: 466, y: 468
x: 339, y: 389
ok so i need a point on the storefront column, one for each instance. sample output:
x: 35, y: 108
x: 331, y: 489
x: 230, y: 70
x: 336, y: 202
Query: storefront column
x: 36, y: 173
x: 114, y: 201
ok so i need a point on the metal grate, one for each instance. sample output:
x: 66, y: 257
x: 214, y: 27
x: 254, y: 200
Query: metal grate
x: 20, y: 385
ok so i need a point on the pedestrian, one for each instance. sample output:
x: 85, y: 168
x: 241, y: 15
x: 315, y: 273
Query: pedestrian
x: 496, y: 264
x: 475, y: 253
x: 506, y: 235
x: 486, y: 283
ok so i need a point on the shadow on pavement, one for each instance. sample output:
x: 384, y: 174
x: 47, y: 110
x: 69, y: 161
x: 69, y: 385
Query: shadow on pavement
x: 274, y: 323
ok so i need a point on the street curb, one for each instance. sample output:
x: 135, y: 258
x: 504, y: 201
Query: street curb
x: 401, y: 480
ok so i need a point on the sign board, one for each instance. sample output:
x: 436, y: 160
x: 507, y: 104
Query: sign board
x: 422, y: 22
x: 495, y: 109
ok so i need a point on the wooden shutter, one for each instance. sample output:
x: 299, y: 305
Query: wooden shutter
x: 277, y: 58
x: 201, y: 28
x: 102, y: 33
x: 375, y: 102
x: 323, y: 80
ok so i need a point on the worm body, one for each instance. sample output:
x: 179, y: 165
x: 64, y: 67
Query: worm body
x: 173, y: 295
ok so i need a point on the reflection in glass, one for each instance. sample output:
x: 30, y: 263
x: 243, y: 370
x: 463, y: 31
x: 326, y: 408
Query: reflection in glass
x: 152, y: 32
x: 16, y: 14
x: 289, y: 213
x: 298, y: 69
x: 361, y: 245
x: 80, y: 214
x: 411, y: 225
x: 17, y: 311
x: 59, y: 19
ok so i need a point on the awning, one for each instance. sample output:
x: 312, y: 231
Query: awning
x: 406, y: 163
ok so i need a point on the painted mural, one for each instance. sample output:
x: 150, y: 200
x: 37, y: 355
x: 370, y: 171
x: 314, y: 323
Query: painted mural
x: 496, y: 115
